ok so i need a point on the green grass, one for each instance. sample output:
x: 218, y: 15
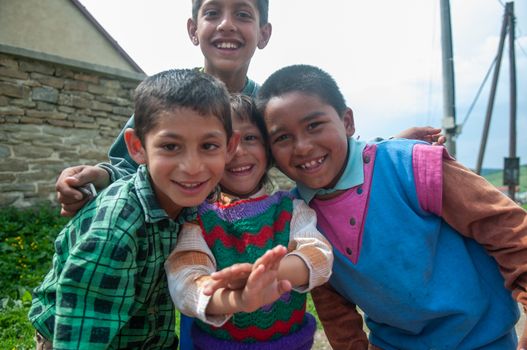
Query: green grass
x: 26, y: 247
x: 15, y: 330
x: 496, y: 178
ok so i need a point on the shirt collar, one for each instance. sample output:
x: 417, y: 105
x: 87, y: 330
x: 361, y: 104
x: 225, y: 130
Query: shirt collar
x: 147, y: 198
x: 352, y: 176
x: 250, y: 88
x: 226, y: 199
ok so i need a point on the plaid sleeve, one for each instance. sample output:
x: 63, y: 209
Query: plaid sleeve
x: 95, y: 293
x: 122, y: 163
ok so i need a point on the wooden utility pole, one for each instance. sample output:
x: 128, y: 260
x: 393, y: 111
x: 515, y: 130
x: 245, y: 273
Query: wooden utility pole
x: 511, y: 170
x: 449, y: 103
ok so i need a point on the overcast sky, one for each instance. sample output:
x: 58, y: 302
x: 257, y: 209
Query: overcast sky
x: 385, y: 55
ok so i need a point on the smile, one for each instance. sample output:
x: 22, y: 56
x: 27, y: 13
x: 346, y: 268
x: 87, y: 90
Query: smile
x: 312, y: 164
x: 190, y: 186
x: 226, y: 45
x: 240, y: 170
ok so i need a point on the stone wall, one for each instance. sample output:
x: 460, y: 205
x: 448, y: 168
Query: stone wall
x: 53, y: 116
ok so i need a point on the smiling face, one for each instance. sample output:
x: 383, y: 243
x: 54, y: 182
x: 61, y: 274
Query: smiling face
x: 185, y: 153
x: 309, y: 140
x: 228, y: 32
x: 244, y: 173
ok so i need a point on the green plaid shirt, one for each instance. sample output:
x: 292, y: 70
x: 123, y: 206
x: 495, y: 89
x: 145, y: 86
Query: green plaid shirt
x: 107, y: 287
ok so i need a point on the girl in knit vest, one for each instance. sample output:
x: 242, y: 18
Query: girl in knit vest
x: 242, y: 235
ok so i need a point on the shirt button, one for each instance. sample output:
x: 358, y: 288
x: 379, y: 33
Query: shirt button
x: 352, y: 222
x: 359, y: 190
x: 348, y: 250
x: 366, y: 159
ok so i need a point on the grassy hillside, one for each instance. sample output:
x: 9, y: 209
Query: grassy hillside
x: 496, y: 178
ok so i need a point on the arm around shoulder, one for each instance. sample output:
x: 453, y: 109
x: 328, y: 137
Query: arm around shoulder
x: 478, y: 210
x: 342, y: 323
x: 121, y: 163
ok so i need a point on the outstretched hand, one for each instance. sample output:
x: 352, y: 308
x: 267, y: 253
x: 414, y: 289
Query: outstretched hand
x: 232, y: 277
x: 235, y: 276
x: 424, y: 133
x: 257, y: 283
x: 263, y: 287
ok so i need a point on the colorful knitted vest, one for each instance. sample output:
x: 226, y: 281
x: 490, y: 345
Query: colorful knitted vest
x: 242, y: 232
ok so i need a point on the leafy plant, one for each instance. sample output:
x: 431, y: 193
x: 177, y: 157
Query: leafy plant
x: 16, y: 332
x: 26, y: 245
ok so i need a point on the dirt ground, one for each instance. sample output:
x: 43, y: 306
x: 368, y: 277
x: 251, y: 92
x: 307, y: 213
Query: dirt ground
x: 321, y: 342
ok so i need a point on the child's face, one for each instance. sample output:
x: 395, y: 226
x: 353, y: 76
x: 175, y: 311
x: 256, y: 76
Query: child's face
x: 228, y: 32
x: 244, y: 172
x: 309, y: 140
x: 186, y: 155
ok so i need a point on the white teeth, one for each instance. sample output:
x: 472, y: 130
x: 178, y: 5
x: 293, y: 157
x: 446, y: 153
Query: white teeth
x: 240, y: 169
x: 226, y: 45
x: 312, y: 163
x: 190, y: 185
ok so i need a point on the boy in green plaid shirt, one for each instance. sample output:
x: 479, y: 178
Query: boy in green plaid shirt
x: 107, y: 287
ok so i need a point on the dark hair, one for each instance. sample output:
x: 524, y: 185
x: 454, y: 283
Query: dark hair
x: 244, y: 109
x: 180, y: 88
x: 263, y: 10
x: 306, y: 79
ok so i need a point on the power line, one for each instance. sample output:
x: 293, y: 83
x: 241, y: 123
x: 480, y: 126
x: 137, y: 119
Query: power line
x: 518, y: 35
x: 432, y: 66
x: 479, y: 92
x: 521, y: 48
x: 490, y: 69
x: 518, y: 30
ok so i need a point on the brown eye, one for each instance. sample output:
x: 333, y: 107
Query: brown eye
x: 250, y: 138
x: 169, y: 147
x: 280, y: 138
x: 313, y: 125
x: 210, y: 146
x: 210, y: 13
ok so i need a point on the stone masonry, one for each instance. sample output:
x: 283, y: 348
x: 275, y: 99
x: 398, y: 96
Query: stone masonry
x: 52, y: 117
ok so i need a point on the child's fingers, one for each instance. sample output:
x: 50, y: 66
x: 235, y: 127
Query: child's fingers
x: 233, y: 277
x: 261, y: 277
x: 284, y: 286
x: 264, y: 259
x: 271, y: 257
x: 212, y: 286
x: 231, y: 283
x: 280, y: 252
x: 433, y: 130
x: 233, y: 272
x: 257, y: 278
x: 273, y: 262
x: 441, y: 139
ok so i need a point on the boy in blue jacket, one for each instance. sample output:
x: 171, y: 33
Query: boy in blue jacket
x: 434, y: 255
